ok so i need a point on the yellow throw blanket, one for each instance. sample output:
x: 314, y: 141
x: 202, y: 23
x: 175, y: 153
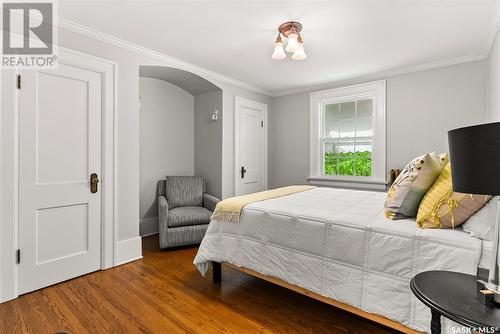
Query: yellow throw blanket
x: 230, y: 208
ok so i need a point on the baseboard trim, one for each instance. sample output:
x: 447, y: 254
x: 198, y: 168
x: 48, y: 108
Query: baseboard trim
x: 149, y: 234
x: 148, y: 226
x: 128, y: 250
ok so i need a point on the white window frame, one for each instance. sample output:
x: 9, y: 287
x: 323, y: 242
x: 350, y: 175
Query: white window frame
x: 375, y: 90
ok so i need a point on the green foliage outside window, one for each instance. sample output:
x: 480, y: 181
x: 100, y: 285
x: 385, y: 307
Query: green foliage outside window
x: 348, y: 163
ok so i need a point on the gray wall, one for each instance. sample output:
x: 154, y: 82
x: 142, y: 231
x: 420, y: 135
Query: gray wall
x: 127, y: 86
x: 290, y: 138
x: 166, y: 138
x: 421, y: 108
x: 127, y: 134
x: 494, y: 81
x: 208, y: 141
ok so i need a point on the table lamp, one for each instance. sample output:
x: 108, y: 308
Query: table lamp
x: 475, y: 169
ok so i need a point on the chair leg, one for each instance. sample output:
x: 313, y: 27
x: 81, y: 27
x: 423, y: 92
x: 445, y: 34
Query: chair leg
x: 216, y: 272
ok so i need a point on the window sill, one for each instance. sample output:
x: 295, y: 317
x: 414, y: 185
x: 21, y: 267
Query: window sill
x: 349, y: 183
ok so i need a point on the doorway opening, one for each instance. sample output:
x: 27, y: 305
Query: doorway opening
x: 180, y: 134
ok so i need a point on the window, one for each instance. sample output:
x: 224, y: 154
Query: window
x: 346, y: 141
x: 348, y: 135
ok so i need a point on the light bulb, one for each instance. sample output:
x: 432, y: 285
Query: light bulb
x: 292, y: 45
x: 278, y: 53
x: 299, y: 54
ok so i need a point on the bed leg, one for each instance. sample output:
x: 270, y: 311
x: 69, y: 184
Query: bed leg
x: 216, y: 272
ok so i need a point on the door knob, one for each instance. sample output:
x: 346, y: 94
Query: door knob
x: 94, y: 180
x: 243, y: 171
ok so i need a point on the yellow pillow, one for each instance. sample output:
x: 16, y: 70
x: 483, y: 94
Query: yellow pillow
x: 441, y: 207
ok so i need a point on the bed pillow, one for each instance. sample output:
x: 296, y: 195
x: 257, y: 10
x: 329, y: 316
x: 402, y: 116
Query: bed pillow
x: 482, y: 224
x: 441, y: 207
x: 410, y: 186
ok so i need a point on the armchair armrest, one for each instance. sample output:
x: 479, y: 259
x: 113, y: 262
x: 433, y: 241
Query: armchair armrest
x: 210, y: 202
x: 162, y: 210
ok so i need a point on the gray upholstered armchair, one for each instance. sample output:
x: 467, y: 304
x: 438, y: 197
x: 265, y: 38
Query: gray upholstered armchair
x: 184, y: 210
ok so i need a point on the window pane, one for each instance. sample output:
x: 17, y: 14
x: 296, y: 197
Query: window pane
x: 347, y: 128
x: 347, y: 138
x: 365, y: 108
x: 363, y: 163
x: 332, y: 117
x: 345, y: 149
x: 332, y: 129
x: 346, y: 160
x: 364, y: 158
x: 346, y: 164
x: 332, y: 112
x: 347, y: 110
x: 330, y: 159
x: 330, y: 163
x: 364, y: 148
x: 364, y: 127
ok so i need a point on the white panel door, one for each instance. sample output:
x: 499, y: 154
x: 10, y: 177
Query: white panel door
x: 251, y: 150
x: 59, y: 148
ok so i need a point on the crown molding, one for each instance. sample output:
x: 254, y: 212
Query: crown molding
x: 357, y: 77
x: 168, y: 60
x: 361, y: 77
x: 349, y: 79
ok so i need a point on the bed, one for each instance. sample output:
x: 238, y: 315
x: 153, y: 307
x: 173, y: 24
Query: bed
x: 336, y: 245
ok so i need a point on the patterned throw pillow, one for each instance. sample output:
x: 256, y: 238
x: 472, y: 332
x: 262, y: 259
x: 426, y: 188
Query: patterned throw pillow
x: 444, y: 208
x: 407, y: 191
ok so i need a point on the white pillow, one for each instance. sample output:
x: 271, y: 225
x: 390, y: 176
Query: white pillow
x: 482, y: 224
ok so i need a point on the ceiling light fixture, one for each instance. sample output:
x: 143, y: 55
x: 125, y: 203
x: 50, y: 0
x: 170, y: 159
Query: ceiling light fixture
x: 291, y: 31
x: 279, y: 52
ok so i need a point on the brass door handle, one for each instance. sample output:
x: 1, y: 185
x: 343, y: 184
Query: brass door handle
x: 94, y: 180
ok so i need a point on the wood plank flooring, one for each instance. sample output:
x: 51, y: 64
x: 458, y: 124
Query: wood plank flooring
x: 163, y: 293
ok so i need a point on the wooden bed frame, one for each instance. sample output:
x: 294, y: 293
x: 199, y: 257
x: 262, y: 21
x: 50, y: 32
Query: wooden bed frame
x: 217, y: 278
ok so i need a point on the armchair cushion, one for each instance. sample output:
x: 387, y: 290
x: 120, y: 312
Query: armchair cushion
x: 162, y: 210
x: 210, y: 201
x: 188, y: 215
x: 184, y: 191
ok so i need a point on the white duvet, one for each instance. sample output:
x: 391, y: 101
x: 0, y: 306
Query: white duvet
x: 338, y: 243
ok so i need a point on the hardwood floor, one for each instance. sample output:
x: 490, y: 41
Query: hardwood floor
x: 164, y: 293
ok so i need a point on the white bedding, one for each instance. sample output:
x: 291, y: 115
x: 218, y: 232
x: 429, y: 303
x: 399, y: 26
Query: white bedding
x: 338, y: 243
x: 486, y: 253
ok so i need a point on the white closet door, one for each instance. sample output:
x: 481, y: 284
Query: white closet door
x: 59, y: 148
x: 250, y: 146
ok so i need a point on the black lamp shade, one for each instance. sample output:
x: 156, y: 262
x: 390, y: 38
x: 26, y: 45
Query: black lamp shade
x: 475, y: 159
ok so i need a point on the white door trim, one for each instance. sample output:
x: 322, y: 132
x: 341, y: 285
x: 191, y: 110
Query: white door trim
x: 238, y: 102
x: 9, y: 179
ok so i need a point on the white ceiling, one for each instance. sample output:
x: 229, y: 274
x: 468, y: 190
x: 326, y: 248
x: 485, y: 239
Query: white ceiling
x: 342, y: 39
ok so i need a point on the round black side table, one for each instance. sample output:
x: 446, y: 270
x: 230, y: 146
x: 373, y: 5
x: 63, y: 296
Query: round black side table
x: 454, y: 296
